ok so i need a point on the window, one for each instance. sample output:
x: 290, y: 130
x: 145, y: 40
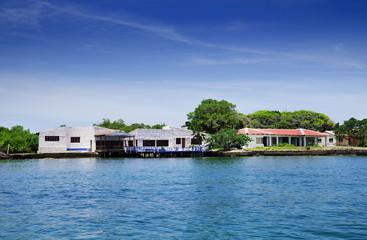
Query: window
x: 259, y: 140
x: 331, y: 140
x: 319, y: 140
x: 162, y: 143
x: 52, y: 138
x: 75, y: 139
x: 148, y: 143
x: 178, y: 140
x: 131, y: 143
x: 196, y: 141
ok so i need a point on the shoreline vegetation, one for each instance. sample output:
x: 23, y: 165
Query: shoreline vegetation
x: 252, y: 152
x: 222, y: 121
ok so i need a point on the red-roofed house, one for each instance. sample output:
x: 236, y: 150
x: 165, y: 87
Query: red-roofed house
x: 273, y: 137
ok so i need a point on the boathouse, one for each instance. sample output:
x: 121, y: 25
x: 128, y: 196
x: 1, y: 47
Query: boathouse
x: 82, y: 139
x: 273, y: 137
x: 167, y: 139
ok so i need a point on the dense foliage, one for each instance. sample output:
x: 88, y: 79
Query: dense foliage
x: 212, y: 115
x: 289, y: 120
x: 353, y: 128
x: 227, y: 139
x: 18, y: 140
x: 120, y: 125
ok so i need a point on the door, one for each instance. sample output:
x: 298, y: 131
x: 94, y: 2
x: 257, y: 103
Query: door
x: 183, y: 142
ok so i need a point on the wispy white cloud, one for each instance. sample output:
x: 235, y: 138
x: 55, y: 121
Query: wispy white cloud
x: 20, y: 16
x: 243, y: 26
x: 211, y: 62
x: 161, y: 30
x: 338, y: 47
x: 33, y: 15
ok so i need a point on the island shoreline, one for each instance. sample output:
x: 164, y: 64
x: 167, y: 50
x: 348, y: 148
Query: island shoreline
x: 333, y: 151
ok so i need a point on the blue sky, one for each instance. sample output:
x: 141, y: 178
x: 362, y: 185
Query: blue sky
x: 76, y: 62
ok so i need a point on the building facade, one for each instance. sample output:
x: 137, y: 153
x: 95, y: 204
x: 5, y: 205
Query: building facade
x: 274, y: 137
x: 80, y: 139
x: 172, y: 137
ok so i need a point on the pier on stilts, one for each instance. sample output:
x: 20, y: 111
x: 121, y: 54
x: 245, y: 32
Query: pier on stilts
x: 154, y: 152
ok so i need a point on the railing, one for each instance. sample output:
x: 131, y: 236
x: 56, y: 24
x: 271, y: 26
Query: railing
x: 165, y: 149
x: 109, y: 148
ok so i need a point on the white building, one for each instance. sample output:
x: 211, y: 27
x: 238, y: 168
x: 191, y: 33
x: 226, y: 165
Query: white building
x: 273, y: 137
x: 172, y: 137
x: 81, y: 139
x: 330, y: 140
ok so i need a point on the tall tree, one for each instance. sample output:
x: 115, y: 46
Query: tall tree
x: 18, y: 140
x: 353, y: 128
x: 119, y: 124
x: 212, y: 115
x: 288, y: 120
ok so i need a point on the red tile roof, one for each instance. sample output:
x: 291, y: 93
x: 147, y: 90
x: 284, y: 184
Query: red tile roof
x: 281, y: 132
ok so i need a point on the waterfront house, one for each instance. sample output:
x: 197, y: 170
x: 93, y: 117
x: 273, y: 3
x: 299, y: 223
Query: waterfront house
x: 172, y: 138
x: 330, y: 140
x: 273, y: 137
x: 82, y: 139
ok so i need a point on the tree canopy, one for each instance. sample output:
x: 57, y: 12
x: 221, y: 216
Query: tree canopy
x: 119, y: 124
x: 18, y: 139
x: 289, y: 120
x: 227, y: 139
x: 353, y: 128
x: 212, y: 115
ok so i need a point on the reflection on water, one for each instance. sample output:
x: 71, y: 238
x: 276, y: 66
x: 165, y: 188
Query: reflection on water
x: 199, y: 198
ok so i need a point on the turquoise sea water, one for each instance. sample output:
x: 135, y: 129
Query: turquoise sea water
x: 183, y: 198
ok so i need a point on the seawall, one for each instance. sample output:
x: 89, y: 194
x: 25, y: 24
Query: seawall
x: 337, y: 151
x: 48, y: 155
x: 332, y: 151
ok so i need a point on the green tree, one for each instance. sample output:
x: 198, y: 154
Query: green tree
x: 353, y: 128
x: 158, y: 126
x: 118, y: 124
x: 18, y: 140
x: 289, y: 120
x: 263, y: 119
x: 212, y: 115
x: 227, y: 139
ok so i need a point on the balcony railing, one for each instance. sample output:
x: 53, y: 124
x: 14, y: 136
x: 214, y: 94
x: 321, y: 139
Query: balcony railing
x: 165, y: 149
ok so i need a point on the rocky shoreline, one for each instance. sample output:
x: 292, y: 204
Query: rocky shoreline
x: 15, y: 156
x: 318, y: 151
x: 332, y: 151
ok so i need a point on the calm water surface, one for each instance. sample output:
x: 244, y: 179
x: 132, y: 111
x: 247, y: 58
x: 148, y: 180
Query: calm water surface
x: 207, y: 198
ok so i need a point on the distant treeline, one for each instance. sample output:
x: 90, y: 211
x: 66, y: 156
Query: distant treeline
x: 18, y: 139
x: 211, y: 116
x: 120, y: 125
x: 353, y: 128
x: 289, y: 120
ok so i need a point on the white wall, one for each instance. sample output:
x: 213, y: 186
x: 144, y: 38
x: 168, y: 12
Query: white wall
x: 253, y: 143
x: 64, y: 144
x: 327, y: 139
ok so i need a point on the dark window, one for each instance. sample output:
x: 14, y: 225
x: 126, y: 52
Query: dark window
x: 131, y: 143
x: 178, y: 140
x: 162, y: 143
x: 52, y: 138
x: 148, y: 143
x: 331, y: 140
x: 75, y: 139
x: 319, y: 140
x: 196, y: 141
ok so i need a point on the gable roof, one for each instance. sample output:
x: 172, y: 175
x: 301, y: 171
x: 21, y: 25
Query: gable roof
x: 166, y: 132
x: 281, y: 132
